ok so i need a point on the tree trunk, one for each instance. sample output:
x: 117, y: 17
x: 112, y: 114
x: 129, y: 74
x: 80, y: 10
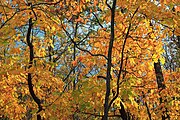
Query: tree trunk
x: 159, y: 75
x: 29, y: 78
x: 108, y: 73
x: 161, y: 86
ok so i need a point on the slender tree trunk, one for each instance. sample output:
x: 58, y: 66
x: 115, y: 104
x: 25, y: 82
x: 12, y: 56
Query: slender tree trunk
x: 148, y: 111
x: 123, y: 113
x: 74, y: 56
x: 161, y: 86
x: 108, y: 73
x: 159, y: 75
x: 178, y: 41
x: 29, y: 78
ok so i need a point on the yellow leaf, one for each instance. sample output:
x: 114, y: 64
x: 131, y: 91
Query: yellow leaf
x: 132, y: 62
x: 53, y: 28
x: 117, y: 102
x: 160, y: 50
x: 162, y: 59
x: 155, y: 58
x: 50, y: 41
x: 42, y: 52
x: 133, y: 102
x: 152, y: 91
x: 114, y: 59
x: 52, y: 45
x: 152, y: 36
x: 146, y: 22
x: 150, y: 67
x: 69, y: 49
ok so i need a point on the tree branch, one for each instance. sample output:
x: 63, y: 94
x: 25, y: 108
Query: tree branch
x: 121, y: 64
x: 84, y: 50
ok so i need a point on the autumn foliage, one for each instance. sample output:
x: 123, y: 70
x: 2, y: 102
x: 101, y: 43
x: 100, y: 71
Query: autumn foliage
x: 90, y: 59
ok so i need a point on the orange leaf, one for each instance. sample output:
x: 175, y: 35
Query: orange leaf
x: 74, y: 63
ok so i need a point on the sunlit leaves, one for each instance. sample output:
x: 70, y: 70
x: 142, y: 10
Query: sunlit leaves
x: 71, y: 81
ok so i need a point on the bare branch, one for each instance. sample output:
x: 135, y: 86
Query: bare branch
x: 122, y: 57
x: 101, y: 55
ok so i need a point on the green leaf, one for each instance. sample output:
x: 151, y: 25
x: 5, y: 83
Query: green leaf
x: 54, y: 107
x: 4, y: 42
x: 57, y: 93
x: 33, y: 111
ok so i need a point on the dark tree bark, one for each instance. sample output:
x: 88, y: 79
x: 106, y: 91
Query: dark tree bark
x: 108, y: 73
x: 161, y: 86
x: 147, y: 108
x: 74, y: 55
x: 148, y: 111
x: 159, y: 75
x: 178, y: 41
x: 123, y: 113
x: 29, y: 78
